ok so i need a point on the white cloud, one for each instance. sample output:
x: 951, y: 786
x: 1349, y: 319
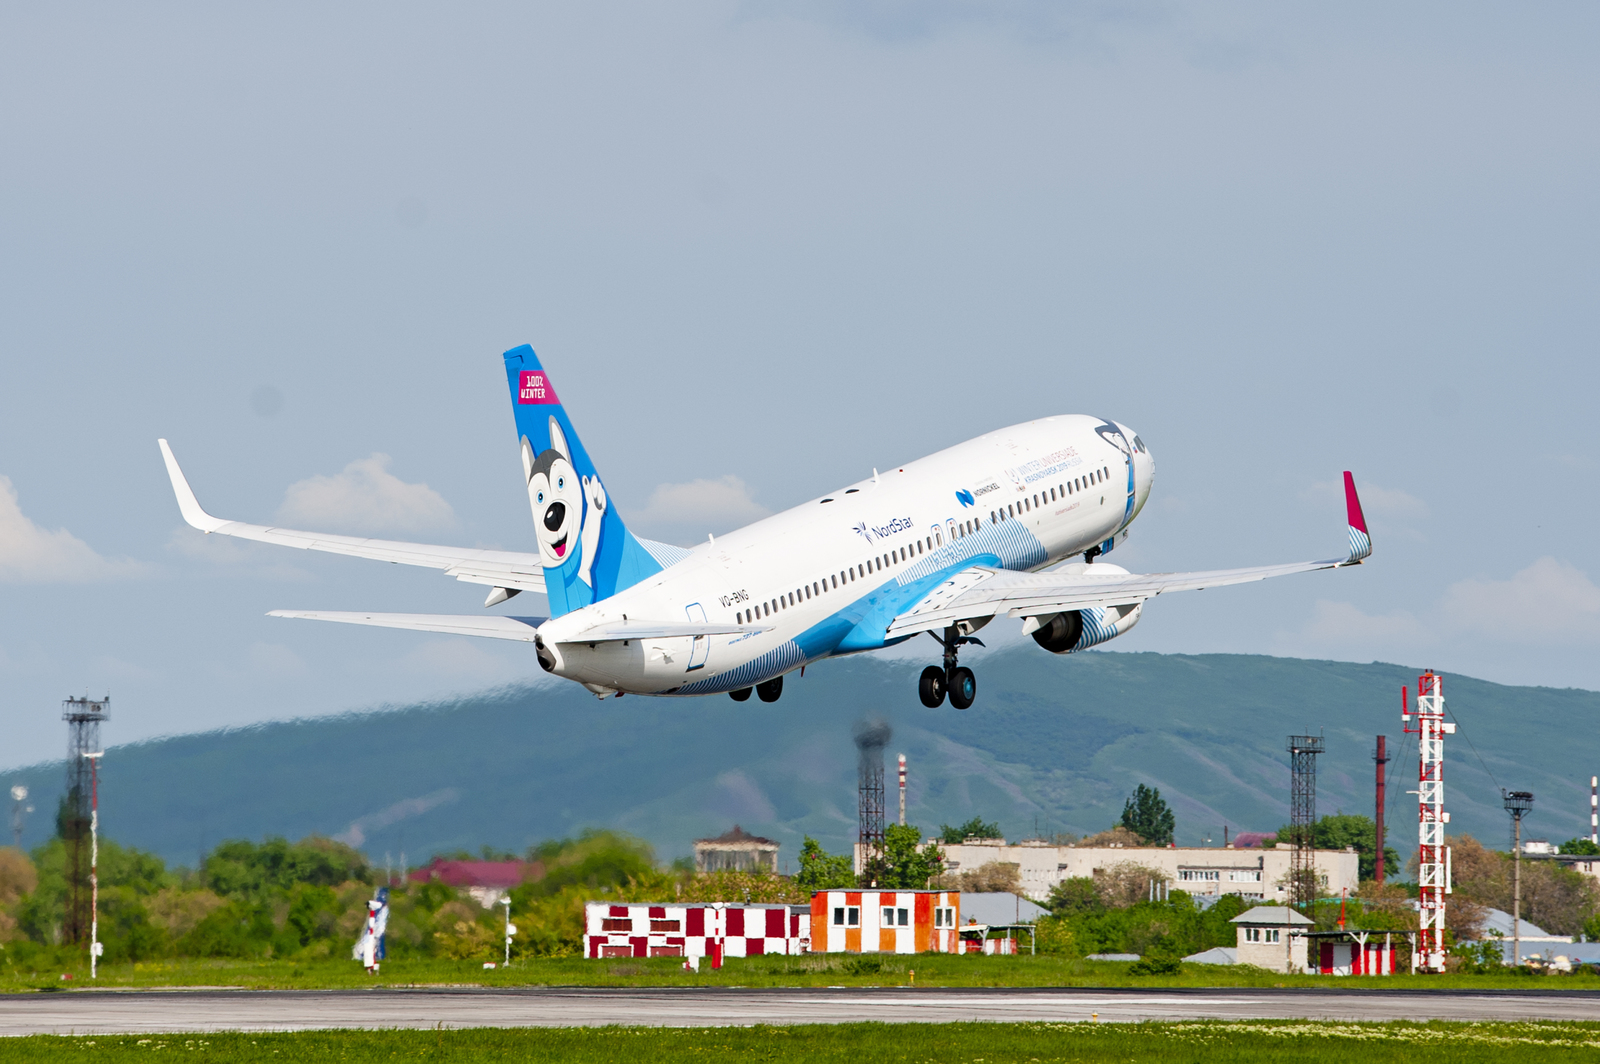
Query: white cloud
x: 365, y: 497
x: 1344, y: 623
x: 32, y: 555
x: 693, y: 509
x: 1389, y: 504
x: 1549, y: 600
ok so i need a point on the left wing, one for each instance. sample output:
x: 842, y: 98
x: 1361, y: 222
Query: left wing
x: 981, y: 591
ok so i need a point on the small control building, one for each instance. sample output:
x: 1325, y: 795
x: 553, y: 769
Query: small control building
x: 1273, y: 937
x: 885, y: 921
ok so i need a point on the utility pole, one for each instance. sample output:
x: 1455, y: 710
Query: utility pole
x: 95, y: 948
x: 511, y: 928
x: 1382, y: 758
x: 1518, y: 804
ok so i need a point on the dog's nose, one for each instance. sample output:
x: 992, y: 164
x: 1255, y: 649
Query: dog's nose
x: 556, y: 514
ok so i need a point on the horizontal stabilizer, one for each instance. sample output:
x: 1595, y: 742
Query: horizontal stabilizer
x: 522, y: 629
x: 613, y: 633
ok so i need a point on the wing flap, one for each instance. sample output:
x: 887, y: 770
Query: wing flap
x: 510, y: 569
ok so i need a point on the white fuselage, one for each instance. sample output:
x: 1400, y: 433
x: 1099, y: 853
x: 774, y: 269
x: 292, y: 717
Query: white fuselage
x: 826, y: 577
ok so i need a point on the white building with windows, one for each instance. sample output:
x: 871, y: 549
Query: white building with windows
x: 1255, y: 873
x: 1265, y: 939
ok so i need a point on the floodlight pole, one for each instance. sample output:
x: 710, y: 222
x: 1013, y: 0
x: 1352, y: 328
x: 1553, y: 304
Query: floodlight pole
x: 94, y: 863
x: 1518, y: 804
x: 506, y: 901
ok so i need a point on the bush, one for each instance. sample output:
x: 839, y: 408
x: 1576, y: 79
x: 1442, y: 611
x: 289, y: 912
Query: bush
x: 1156, y: 964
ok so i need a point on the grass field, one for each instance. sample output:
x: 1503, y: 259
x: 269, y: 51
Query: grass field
x: 1174, y: 1043
x: 837, y: 970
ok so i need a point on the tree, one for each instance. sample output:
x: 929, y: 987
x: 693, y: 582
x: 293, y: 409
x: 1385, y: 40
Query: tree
x: 903, y: 866
x: 1074, y: 896
x: 976, y: 828
x: 1148, y: 816
x: 821, y: 870
x: 1580, y: 848
x: 1339, y: 830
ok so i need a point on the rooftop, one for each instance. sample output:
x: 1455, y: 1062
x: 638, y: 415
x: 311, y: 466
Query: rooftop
x: 738, y: 836
x: 1272, y: 916
x: 498, y: 874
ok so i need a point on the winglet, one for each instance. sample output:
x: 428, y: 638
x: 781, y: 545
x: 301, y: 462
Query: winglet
x: 187, y: 503
x: 1360, y: 540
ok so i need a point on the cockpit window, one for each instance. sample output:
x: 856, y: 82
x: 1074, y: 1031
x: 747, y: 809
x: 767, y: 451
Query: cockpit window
x: 1138, y: 445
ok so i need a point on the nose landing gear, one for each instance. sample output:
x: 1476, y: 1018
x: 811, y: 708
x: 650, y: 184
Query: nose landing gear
x: 955, y: 680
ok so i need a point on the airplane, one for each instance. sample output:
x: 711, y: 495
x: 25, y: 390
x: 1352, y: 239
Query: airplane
x: 1013, y: 523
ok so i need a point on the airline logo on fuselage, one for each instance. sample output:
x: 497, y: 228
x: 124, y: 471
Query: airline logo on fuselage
x: 964, y: 497
x: 535, y: 390
x: 871, y: 533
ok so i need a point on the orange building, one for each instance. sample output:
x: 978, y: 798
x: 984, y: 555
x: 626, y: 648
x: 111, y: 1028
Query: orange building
x: 885, y: 921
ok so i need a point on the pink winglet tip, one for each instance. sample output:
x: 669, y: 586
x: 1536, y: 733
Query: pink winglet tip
x: 1352, y: 504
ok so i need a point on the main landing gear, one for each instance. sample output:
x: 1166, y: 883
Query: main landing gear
x: 770, y: 691
x: 954, y: 680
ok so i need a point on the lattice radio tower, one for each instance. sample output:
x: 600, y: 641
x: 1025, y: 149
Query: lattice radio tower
x: 83, y: 717
x: 1433, y: 856
x: 1303, y: 751
x: 871, y: 738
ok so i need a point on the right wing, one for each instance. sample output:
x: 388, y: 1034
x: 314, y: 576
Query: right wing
x: 983, y: 592
x: 513, y: 570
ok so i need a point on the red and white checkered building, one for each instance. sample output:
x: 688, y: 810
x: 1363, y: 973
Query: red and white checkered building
x: 698, y: 930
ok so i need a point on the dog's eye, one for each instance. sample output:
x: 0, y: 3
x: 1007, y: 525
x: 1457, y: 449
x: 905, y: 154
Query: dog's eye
x: 541, y: 496
x: 561, y: 482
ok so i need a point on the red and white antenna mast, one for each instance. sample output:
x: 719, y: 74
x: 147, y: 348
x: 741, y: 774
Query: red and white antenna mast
x: 1433, y: 856
x: 1594, y: 809
x: 902, y: 790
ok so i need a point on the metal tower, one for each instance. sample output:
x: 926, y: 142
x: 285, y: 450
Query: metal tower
x: 1303, y: 751
x: 1519, y: 804
x: 1433, y: 856
x: 1381, y: 757
x: 871, y: 738
x: 74, y: 821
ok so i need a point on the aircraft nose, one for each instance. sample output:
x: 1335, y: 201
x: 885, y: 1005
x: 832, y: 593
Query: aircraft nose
x: 556, y: 514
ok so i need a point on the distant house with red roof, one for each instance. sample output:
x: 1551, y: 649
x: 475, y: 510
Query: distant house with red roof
x: 1247, y: 839
x: 486, y: 881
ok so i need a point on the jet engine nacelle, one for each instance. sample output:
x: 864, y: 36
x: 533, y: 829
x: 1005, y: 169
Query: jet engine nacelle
x: 1064, y: 633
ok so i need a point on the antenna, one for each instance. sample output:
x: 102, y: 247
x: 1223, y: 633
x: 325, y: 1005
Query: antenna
x: 871, y: 737
x: 1519, y: 804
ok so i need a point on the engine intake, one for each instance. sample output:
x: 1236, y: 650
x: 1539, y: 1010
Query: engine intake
x: 1061, y: 633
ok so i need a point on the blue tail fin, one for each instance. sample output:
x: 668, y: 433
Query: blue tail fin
x: 587, y: 552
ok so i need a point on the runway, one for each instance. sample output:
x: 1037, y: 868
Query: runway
x: 184, y: 1011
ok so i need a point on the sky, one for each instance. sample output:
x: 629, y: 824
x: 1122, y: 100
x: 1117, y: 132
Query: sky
x: 762, y: 248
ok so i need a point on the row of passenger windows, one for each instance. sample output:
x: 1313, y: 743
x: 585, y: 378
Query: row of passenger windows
x: 1050, y: 495
x: 834, y: 581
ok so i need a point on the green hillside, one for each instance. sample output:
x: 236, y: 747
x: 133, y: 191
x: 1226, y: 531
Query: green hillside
x: 1054, y: 742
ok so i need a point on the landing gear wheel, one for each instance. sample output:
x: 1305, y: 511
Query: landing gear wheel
x: 742, y: 694
x: 963, y: 687
x: 931, y: 687
x: 771, y: 690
